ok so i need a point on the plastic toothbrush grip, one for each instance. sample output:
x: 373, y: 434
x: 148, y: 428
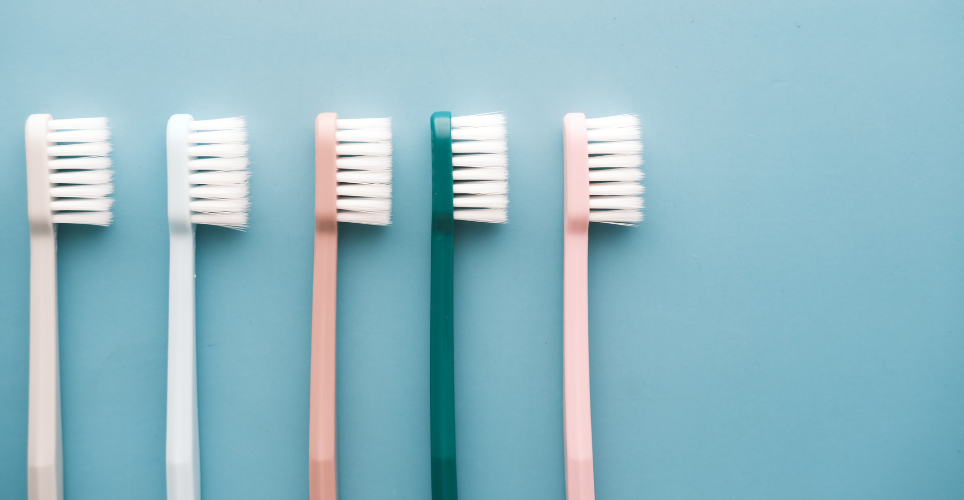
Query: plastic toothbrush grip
x: 323, y: 428
x: 183, y: 444
x: 442, y: 349
x: 44, y: 448
x: 577, y: 411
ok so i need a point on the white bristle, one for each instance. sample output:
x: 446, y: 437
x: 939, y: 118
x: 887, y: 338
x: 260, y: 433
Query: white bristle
x: 364, y: 135
x: 492, y: 187
x: 616, y: 148
x: 481, y: 168
x: 615, y: 151
x: 381, y: 148
x: 613, y: 134
x: 615, y: 189
x: 615, y: 161
x: 78, y: 124
x: 622, y: 217
x: 482, y: 120
x: 218, y: 164
x: 364, y: 163
x: 481, y: 174
x: 364, y: 173
x: 371, y: 218
x: 239, y: 191
x: 480, y: 202
x: 489, y: 160
x: 492, y: 215
x: 616, y: 175
x: 479, y: 133
x: 218, y: 137
x: 365, y: 177
x: 482, y: 146
x: 92, y: 218
x: 372, y: 205
x: 219, y: 206
x: 100, y: 176
x: 365, y: 190
x: 219, y: 177
x: 235, y: 219
x: 98, y: 204
x: 616, y: 202
x: 79, y: 180
x: 80, y: 149
x: 223, y: 150
x: 96, y: 162
x: 94, y: 135
x: 82, y: 191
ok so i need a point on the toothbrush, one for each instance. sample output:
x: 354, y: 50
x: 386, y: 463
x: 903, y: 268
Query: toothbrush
x: 602, y: 159
x: 67, y: 183
x: 207, y: 183
x: 353, y: 175
x: 469, y: 182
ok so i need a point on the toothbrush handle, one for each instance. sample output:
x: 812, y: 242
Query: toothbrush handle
x: 442, y: 340
x: 44, y: 451
x: 578, y: 419
x: 323, y: 430
x: 322, y: 421
x: 183, y: 460
x: 576, y: 402
x: 442, y: 356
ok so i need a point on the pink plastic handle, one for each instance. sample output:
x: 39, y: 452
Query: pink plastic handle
x: 577, y: 412
x: 323, y: 429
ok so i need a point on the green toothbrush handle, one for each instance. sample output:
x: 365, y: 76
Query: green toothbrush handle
x: 442, y: 354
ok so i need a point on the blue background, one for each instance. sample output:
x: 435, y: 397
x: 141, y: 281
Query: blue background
x: 786, y: 323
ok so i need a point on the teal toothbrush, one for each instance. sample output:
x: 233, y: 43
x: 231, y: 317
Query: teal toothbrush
x: 469, y: 182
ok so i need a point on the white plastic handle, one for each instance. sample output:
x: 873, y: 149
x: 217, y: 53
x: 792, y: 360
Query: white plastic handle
x: 183, y: 450
x: 44, y: 449
x: 44, y: 452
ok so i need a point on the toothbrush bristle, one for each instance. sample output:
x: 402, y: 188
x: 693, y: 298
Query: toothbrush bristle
x: 480, y: 172
x: 364, y: 173
x: 219, y: 177
x: 80, y: 176
x: 615, y: 155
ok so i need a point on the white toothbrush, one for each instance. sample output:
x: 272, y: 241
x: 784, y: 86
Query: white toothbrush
x: 207, y: 183
x: 68, y: 182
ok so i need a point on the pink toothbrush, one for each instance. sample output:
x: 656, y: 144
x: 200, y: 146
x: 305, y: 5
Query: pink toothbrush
x: 602, y: 159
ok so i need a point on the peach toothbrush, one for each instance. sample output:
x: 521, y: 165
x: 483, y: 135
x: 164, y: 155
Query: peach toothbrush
x: 353, y: 175
x: 602, y: 159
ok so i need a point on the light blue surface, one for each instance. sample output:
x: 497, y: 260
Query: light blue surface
x: 786, y: 323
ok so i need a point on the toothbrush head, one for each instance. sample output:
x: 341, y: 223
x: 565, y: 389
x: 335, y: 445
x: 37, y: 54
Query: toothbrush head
x: 615, y: 155
x: 219, y: 172
x: 364, y: 170
x: 480, y: 168
x: 207, y: 172
x: 68, y: 170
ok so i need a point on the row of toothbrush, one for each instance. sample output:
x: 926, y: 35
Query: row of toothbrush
x: 69, y: 182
